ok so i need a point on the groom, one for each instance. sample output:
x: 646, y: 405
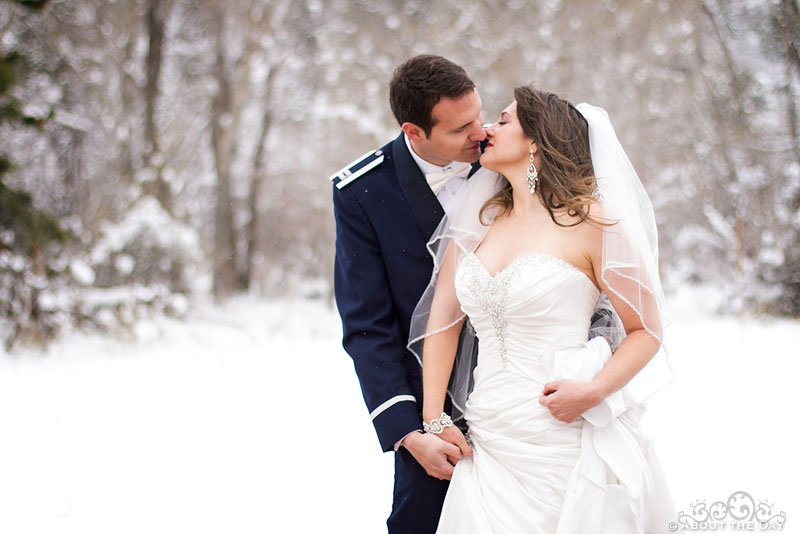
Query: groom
x: 386, y: 205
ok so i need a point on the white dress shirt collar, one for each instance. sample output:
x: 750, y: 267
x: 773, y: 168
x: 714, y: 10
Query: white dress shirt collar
x: 425, y: 166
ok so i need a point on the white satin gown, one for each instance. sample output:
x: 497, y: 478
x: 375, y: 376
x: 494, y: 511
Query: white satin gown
x: 529, y: 472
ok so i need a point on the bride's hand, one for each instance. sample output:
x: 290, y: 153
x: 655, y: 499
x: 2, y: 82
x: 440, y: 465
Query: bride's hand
x: 436, y: 456
x: 452, y: 434
x: 568, y: 400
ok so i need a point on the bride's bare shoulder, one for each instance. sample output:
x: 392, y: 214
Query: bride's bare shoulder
x: 595, y: 209
x: 592, y: 230
x: 595, y: 220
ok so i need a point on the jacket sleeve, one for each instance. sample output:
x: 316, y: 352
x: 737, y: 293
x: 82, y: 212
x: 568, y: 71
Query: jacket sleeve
x: 371, y: 333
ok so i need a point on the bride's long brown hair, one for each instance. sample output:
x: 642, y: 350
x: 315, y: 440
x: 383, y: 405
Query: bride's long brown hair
x: 566, y: 177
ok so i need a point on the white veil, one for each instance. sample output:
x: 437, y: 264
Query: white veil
x: 629, y: 263
x: 630, y: 245
x: 438, y: 309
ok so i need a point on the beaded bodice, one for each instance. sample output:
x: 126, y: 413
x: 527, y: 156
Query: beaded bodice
x: 534, y: 302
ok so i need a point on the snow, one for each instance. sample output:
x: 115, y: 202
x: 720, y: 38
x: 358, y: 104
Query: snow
x: 248, y: 418
x: 146, y: 217
x: 82, y: 272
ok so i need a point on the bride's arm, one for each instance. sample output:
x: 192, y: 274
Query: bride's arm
x: 568, y: 400
x: 439, y: 349
x: 437, y: 363
x: 635, y: 351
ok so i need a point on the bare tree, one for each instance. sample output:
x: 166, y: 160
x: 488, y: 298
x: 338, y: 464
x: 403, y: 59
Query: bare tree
x: 156, y: 14
x: 222, y: 146
x: 257, y: 184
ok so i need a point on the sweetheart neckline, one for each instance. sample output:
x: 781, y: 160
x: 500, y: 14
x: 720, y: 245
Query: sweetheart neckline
x: 554, y: 259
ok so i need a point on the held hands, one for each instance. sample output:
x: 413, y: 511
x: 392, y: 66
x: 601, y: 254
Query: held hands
x: 439, y: 448
x: 435, y: 455
x: 568, y: 400
x: 453, y: 434
x: 442, y: 426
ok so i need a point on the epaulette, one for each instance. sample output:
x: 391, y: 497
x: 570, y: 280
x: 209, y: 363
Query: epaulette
x: 357, y: 168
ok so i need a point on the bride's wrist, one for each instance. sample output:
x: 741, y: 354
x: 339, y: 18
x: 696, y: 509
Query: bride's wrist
x: 599, y: 391
x: 429, y: 415
x: 437, y: 425
x: 427, y: 418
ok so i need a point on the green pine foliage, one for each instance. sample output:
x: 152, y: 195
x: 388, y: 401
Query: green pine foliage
x: 32, y: 229
x: 8, y: 66
x: 27, y: 234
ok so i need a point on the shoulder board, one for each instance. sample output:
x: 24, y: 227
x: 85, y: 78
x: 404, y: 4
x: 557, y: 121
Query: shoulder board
x: 357, y: 168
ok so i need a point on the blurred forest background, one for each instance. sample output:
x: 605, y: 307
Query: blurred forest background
x: 153, y: 152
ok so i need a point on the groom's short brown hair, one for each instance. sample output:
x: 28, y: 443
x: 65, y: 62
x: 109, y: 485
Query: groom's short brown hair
x: 419, y: 83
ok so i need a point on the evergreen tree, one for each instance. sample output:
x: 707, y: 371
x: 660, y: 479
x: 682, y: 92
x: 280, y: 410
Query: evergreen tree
x: 25, y: 232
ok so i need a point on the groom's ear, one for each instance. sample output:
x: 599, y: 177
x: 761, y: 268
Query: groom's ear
x: 413, y: 131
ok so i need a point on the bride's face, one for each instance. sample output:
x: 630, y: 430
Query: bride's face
x: 508, y: 149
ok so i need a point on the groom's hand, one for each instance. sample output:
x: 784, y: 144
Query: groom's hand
x: 435, y: 455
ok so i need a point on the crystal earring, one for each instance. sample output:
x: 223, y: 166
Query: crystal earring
x: 532, y: 175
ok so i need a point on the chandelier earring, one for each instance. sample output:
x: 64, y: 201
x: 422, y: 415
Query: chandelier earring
x: 532, y: 175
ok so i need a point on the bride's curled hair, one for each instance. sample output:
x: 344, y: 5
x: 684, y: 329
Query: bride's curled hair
x: 566, y: 176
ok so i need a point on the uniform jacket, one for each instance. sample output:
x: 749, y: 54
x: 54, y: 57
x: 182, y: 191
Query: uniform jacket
x: 384, y: 217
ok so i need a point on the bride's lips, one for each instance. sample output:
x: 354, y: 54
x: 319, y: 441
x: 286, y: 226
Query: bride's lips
x: 488, y: 145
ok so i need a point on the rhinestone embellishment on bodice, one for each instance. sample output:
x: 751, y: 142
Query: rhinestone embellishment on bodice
x: 491, y: 292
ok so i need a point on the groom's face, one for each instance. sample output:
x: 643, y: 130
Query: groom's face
x: 457, y: 131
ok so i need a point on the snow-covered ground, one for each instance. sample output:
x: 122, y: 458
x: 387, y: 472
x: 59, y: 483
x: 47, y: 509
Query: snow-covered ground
x: 248, y: 418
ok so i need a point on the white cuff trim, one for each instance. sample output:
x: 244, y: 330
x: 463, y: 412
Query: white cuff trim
x: 389, y: 403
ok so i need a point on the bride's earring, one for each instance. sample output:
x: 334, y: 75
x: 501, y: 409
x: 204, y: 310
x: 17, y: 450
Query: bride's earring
x: 532, y: 175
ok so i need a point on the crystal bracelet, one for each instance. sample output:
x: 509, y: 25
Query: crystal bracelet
x: 437, y: 426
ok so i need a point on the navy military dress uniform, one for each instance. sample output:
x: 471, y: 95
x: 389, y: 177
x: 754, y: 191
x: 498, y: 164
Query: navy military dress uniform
x: 385, y: 213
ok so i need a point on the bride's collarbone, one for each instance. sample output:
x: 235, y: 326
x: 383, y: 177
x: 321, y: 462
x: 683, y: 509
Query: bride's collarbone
x: 506, y: 243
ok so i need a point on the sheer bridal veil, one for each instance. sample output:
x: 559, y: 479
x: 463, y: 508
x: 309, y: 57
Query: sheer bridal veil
x: 629, y: 261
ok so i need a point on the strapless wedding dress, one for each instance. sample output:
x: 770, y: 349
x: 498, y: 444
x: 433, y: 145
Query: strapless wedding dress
x: 529, y: 472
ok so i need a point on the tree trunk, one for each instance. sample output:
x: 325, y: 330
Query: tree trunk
x: 786, y: 18
x: 256, y: 190
x: 224, y: 282
x: 127, y: 97
x: 156, y: 186
x: 725, y: 122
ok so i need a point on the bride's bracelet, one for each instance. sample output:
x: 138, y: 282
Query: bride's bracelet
x: 437, y: 426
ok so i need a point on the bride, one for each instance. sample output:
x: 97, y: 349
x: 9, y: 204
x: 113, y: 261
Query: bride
x: 556, y: 220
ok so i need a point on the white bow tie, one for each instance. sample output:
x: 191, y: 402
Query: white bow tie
x: 437, y: 180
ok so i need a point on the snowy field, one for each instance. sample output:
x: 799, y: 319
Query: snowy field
x: 248, y: 418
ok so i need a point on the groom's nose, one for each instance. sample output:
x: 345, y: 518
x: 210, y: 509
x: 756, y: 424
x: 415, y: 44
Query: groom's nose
x: 478, y: 134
